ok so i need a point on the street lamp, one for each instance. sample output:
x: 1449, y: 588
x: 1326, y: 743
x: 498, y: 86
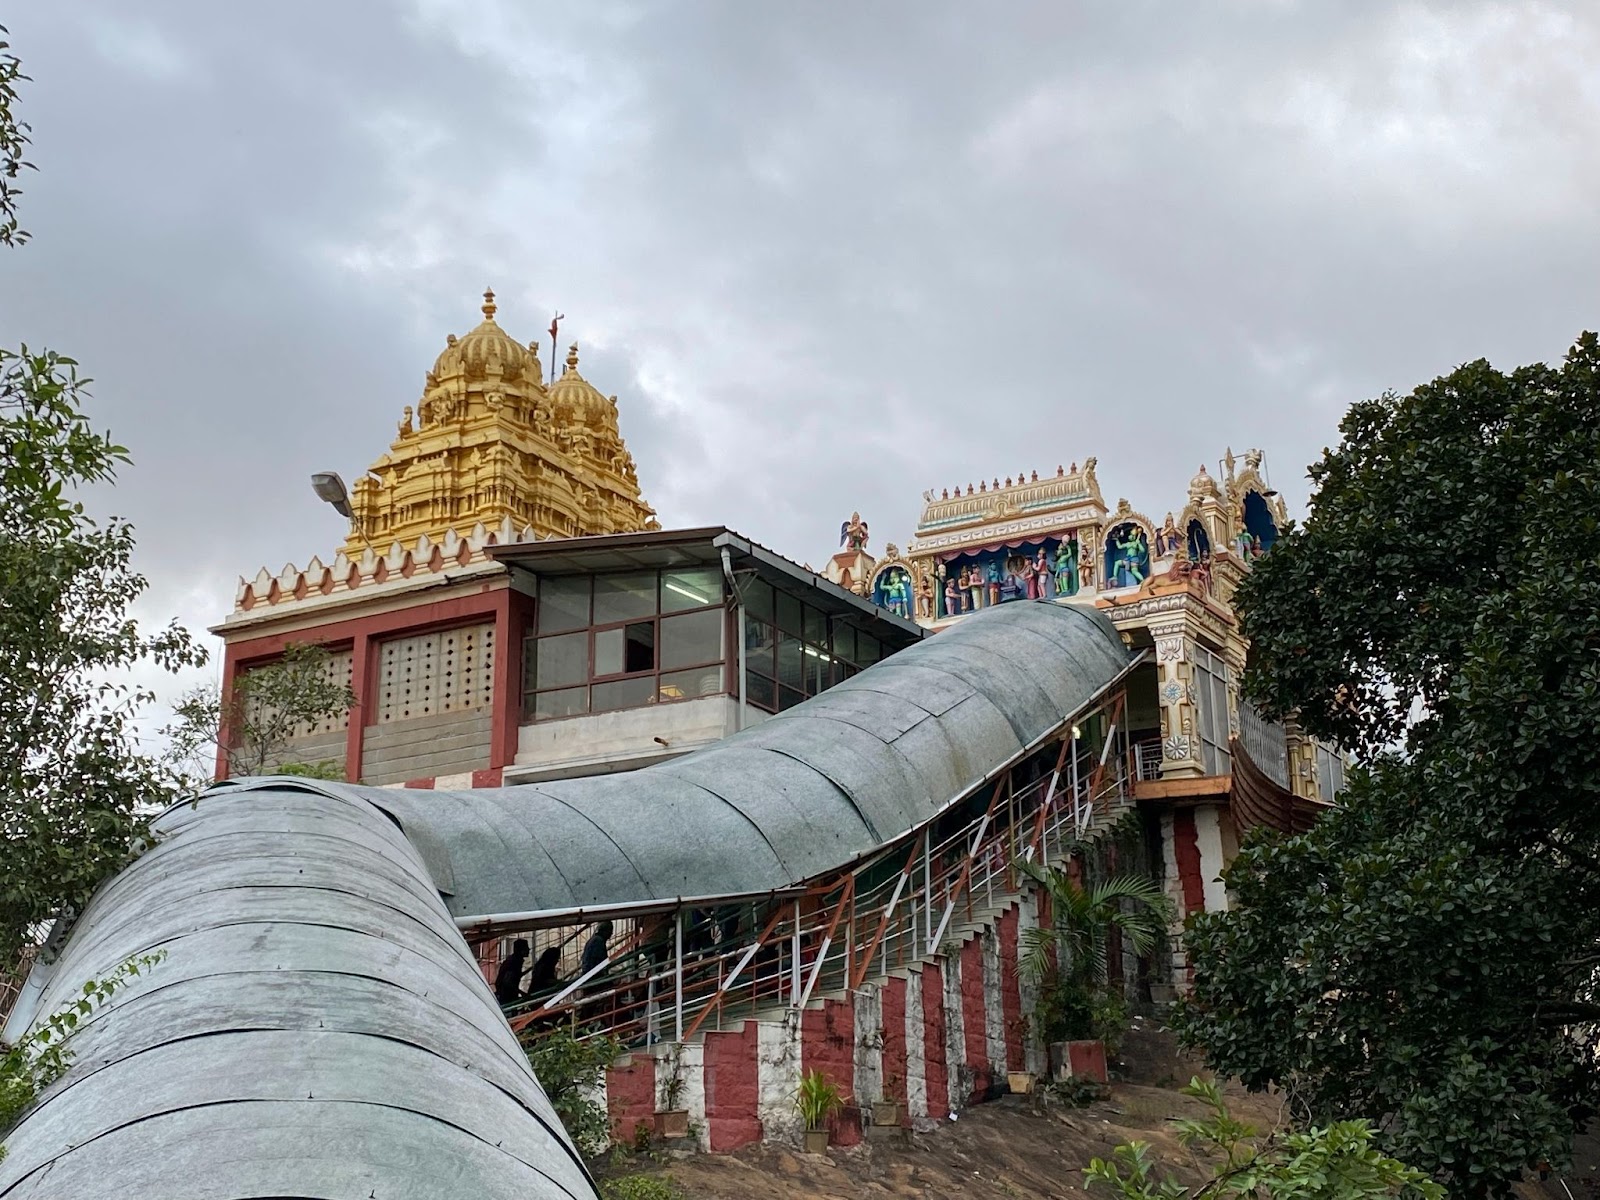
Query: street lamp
x: 331, y: 490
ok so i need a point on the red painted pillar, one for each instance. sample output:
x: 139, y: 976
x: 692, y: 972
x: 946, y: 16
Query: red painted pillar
x: 230, y: 667
x: 363, y: 681
x: 1186, y: 853
x: 935, y: 1063
x: 512, y: 618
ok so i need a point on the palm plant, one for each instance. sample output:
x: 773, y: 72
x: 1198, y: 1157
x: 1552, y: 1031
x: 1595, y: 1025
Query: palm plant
x: 1067, y: 959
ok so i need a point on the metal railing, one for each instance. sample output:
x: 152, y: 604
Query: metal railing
x: 693, y: 970
x: 1147, y: 760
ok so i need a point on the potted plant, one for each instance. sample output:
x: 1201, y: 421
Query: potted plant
x: 673, y: 1120
x: 817, y: 1100
x: 1077, y: 1011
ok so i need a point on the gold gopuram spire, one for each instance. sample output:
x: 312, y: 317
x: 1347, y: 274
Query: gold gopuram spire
x: 488, y: 440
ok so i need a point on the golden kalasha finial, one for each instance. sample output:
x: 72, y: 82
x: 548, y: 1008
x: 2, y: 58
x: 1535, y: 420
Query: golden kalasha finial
x: 572, y: 357
x: 488, y: 304
x: 1060, y: 470
x: 1008, y: 481
x: 1034, y: 478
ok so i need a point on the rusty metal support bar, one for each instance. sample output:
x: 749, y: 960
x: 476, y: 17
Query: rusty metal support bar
x: 883, y: 921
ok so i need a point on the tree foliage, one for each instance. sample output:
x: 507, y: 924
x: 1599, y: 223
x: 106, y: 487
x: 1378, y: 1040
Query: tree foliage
x: 1332, y: 1162
x: 1425, y: 957
x: 263, y: 713
x: 14, y: 139
x: 571, y: 1071
x: 74, y: 786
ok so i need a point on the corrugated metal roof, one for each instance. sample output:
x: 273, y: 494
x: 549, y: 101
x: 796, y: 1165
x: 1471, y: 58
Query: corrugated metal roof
x: 317, y: 1028
x: 801, y: 794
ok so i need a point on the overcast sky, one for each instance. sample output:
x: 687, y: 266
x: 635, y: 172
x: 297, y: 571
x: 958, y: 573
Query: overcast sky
x: 827, y: 255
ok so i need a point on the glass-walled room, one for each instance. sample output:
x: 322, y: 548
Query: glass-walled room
x: 607, y: 642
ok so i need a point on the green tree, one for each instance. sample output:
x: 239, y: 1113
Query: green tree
x: 265, y: 711
x: 13, y: 144
x: 1425, y: 957
x: 1333, y: 1162
x: 75, y: 789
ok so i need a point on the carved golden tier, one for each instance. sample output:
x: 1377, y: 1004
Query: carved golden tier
x: 488, y: 442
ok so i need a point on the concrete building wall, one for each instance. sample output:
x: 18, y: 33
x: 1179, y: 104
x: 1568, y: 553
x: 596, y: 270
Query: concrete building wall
x: 425, y: 747
x: 622, y: 740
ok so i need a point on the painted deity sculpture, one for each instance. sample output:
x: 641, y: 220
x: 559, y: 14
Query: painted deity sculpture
x: 892, y: 590
x: 1127, y: 556
x: 853, y: 533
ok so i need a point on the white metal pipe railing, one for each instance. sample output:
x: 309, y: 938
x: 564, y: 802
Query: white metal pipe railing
x: 810, y: 947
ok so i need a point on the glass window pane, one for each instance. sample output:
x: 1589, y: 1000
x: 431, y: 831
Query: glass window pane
x: 566, y: 703
x: 623, y: 693
x: 625, y: 649
x: 790, y: 671
x: 816, y: 626
x: 866, y: 649
x: 762, y: 693
x: 758, y: 599
x: 694, y: 588
x: 818, y: 671
x: 788, y: 698
x: 692, y: 638
x: 760, y: 641
x: 561, y: 660
x: 690, y: 685
x: 844, y: 642
x: 624, y: 597
x: 563, y: 604
x: 789, y: 608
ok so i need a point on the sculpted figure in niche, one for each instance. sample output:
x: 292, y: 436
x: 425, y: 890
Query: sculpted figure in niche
x: 1167, y: 538
x: 406, y: 429
x: 925, y: 597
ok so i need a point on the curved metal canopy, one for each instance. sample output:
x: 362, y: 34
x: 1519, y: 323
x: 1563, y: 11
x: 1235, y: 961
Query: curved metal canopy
x: 317, y: 1027
x: 794, y: 797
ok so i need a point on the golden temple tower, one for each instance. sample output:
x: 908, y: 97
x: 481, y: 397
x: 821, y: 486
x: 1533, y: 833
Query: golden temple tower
x: 489, y: 441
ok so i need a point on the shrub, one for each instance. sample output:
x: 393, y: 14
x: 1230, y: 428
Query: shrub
x: 570, y: 1070
x: 1333, y: 1162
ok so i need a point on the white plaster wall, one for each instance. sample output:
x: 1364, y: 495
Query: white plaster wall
x: 1208, y: 837
x: 1033, y: 1051
x: 955, y: 1030
x: 623, y: 739
x: 689, y: 1059
x: 869, y: 1043
x: 778, y: 1077
x: 916, y: 1050
x: 459, y: 782
x: 994, y: 1014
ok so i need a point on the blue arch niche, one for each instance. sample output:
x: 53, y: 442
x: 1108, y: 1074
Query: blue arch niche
x: 1199, y: 542
x: 1127, y: 555
x: 891, y: 589
x: 1258, y: 523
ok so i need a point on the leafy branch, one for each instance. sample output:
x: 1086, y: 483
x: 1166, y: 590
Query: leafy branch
x: 44, y: 1054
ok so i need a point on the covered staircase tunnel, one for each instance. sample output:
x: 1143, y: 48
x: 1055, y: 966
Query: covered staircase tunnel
x: 319, y: 1026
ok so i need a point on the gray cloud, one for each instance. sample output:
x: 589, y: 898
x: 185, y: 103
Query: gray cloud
x: 828, y: 255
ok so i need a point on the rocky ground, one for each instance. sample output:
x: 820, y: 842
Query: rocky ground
x: 1015, y: 1146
